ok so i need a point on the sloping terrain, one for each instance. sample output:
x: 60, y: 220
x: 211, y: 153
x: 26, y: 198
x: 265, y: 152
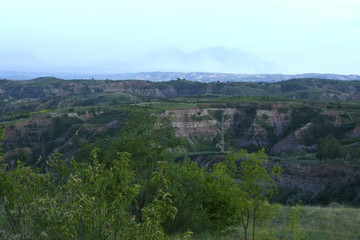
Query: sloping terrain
x: 289, y: 119
x: 305, y: 89
x: 280, y: 125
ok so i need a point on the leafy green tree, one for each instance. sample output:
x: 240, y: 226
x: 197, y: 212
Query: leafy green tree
x: 149, y: 140
x: 93, y: 200
x: 79, y: 201
x: 188, y: 186
x: 293, y: 223
x: 206, y: 199
x: 139, y: 194
x: 221, y: 198
x: 329, y: 148
x: 23, y: 156
x: 233, y: 191
x: 255, y: 187
x: 18, y: 189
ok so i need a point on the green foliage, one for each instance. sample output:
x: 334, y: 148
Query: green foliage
x: 257, y: 185
x: 62, y: 124
x: 221, y: 198
x: 292, y: 195
x: 313, y: 222
x: 265, y: 107
x: 216, y: 114
x: 23, y: 156
x: 156, y: 213
x: 130, y: 187
x: 203, y: 144
x: 321, y: 127
x: 214, y: 200
x: 18, y: 189
x: 283, y: 110
x: 87, y: 205
x: 149, y: 142
x: 329, y: 148
x: 2, y: 137
x: 301, y: 115
x: 343, y: 192
x: 187, y: 188
x: 78, y: 201
x: 205, y: 200
x: 293, y: 223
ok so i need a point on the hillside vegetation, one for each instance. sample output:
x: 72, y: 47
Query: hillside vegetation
x: 70, y: 139
x: 309, y: 89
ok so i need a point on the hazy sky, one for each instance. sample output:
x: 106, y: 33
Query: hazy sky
x: 237, y: 36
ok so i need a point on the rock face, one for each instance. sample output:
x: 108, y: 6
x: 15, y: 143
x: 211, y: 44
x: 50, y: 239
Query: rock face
x: 28, y: 133
x: 267, y: 125
x: 200, y: 122
x: 248, y: 124
x: 289, y: 143
x: 281, y: 128
x: 57, y: 132
x: 292, y: 143
x: 191, y: 122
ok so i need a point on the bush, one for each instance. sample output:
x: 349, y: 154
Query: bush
x: 329, y: 148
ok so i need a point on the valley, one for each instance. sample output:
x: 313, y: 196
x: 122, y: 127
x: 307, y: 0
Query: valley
x: 310, y: 128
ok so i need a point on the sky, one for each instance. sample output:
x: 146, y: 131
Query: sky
x: 230, y: 36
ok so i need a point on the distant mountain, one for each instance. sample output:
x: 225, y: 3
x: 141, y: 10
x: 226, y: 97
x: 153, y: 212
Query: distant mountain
x: 224, y: 77
x: 167, y: 76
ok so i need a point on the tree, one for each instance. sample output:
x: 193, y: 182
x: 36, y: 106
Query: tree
x: 205, y: 199
x: 295, y: 231
x: 329, y: 148
x: 187, y: 189
x: 233, y: 191
x: 78, y: 201
x: 256, y: 186
x: 148, y: 140
x: 221, y: 198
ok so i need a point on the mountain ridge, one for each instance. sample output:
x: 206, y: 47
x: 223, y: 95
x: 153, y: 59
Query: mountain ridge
x: 167, y: 76
x: 305, y: 89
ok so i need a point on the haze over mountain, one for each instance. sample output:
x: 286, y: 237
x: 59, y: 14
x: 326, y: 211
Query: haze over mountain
x: 167, y: 76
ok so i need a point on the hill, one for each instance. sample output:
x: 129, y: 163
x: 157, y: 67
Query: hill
x: 304, y: 89
x: 288, y: 118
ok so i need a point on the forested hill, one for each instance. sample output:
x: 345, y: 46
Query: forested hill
x: 306, y: 89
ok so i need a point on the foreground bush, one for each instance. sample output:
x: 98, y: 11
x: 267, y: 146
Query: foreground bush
x: 78, y: 201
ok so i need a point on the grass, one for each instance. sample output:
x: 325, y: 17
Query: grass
x: 317, y: 223
x: 335, y: 222
x: 163, y: 106
x: 204, y: 101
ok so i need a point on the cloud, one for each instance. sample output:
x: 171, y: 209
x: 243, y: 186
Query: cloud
x: 215, y: 59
